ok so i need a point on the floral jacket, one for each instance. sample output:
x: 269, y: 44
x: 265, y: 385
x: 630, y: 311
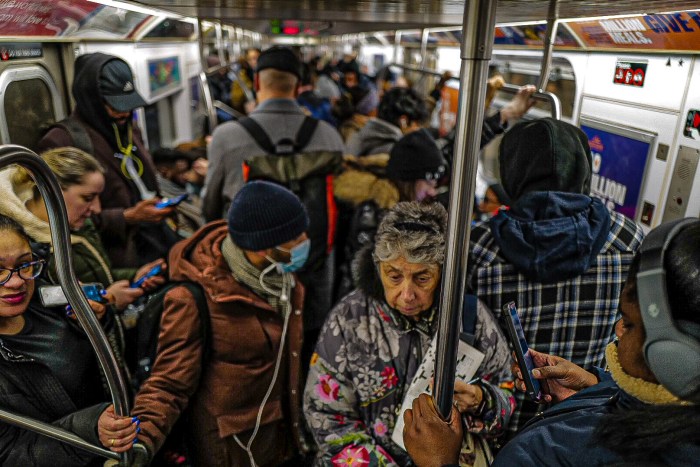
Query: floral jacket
x: 365, y: 359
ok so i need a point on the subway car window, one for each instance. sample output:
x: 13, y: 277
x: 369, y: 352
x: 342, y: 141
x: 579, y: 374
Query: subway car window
x: 160, y: 127
x: 31, y: 100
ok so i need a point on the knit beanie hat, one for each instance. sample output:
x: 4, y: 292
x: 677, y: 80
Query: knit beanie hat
x: 545, y: 155
x: 264, y: 215
x: 281, y: 59
x: 416, y: 157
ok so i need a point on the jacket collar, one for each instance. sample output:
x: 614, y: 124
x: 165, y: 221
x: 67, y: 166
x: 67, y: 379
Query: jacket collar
x: 278, y: 105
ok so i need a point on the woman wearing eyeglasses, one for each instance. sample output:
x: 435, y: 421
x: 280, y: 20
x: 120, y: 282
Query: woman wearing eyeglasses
x: 48, y: 370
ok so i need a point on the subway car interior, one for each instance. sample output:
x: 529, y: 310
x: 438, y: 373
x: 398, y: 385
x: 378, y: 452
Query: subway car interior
x: 619, y: 75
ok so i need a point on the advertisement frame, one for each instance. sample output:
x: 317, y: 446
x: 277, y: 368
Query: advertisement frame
x: 637, y: 134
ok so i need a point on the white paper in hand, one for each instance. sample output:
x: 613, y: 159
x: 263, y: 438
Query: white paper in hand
x: 468, y: 361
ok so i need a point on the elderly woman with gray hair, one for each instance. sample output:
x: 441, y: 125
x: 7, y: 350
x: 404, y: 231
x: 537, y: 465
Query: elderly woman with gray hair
x: 375, y: 339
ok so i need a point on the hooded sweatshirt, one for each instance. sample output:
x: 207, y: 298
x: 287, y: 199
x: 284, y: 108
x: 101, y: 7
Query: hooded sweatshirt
x: 120, y: 191
x: 377, y: 136
x: 551, y: 236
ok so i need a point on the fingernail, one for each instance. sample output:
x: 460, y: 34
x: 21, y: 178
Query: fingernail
x: 138, y: 429
x: 135, y: 419
x: 136, y: 440
x: 103, y: 292
x: 68, y: 308
x: 536, y: 373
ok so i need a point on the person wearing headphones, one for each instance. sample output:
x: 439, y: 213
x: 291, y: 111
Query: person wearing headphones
x: 645, y: 411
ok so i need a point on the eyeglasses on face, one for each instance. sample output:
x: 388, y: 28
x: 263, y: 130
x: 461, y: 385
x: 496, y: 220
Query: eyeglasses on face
x: 26, y: 271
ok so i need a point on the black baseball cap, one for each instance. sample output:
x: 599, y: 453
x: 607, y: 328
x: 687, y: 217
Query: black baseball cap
x: 279, y: 58
x: 117, y: 86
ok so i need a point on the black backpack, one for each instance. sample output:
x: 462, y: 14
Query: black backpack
x: 308, y: 174
x: 148, y: 328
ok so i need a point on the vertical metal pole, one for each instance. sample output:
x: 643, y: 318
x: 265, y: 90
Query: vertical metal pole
x: 550, y: 37
x: 206, y: 94
x: 477, y: 30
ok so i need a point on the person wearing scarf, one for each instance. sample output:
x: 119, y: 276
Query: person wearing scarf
x: 240, y: 383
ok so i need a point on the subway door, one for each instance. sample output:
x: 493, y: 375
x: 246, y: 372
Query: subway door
x: 683, y: 188
x: 33, y: 92
x: 631, y: 112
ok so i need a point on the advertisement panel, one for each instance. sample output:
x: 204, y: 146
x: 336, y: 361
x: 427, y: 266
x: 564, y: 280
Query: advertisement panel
x: 620, y: 157
x: 678, y: 31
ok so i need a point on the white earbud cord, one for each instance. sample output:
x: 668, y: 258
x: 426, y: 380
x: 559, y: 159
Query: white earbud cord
x: 284, y: 298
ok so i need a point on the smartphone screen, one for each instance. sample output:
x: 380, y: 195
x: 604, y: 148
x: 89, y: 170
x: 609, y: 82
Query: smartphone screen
x: 155, y: 270
x: 93, y: 291
x: 517, y: 338
x: 171, y: 201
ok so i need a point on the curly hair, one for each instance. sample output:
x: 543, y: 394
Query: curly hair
x: 402, y: 101
x: 414, y: 231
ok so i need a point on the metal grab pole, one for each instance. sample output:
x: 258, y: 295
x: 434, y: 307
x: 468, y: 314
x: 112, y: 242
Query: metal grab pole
x: 477, y: 30
x: 60, y: 237
x: 551, y: 36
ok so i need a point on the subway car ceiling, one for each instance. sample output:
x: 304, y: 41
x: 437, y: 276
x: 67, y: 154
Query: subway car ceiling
x: 316, y: 20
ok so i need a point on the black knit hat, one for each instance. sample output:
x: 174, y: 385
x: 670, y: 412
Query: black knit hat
x: 545, y: 155
x: 416, y: 157
x: 279, y: 58
x: 264, y: 215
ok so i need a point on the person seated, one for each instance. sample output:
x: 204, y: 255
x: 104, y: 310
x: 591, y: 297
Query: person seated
x: 374, y: 340
x: 645, y: 411
x: 81, y: 179
x: 176, y: 170
x: 48, y: 369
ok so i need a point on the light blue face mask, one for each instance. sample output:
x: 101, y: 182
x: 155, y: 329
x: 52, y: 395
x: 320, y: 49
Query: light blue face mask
x: 299, y: 254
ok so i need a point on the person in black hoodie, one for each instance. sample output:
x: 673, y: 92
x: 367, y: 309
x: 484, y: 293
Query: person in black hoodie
x: 131, y: 227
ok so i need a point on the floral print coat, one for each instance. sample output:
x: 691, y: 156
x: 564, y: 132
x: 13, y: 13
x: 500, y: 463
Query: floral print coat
x: 365, y: 359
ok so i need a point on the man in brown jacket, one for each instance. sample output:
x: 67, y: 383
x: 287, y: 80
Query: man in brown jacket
x: 244, y: 401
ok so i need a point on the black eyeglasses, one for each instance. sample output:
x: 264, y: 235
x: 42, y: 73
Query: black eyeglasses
x: 26, y: 271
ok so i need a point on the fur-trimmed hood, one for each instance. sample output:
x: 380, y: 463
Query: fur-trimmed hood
x: 363, y: 180
x: 365, y: 273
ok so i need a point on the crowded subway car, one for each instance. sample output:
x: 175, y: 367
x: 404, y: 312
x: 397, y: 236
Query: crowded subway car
x: 280, y: 233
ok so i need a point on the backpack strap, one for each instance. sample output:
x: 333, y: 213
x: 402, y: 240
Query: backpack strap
x: 306, y: 131
x: 469, y: 319
x: 203, y: 309
x: 258, y: 134
x: 78, y: 134
x: 284, y: 146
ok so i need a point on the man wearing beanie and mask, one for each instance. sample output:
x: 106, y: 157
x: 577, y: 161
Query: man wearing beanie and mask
x: 245, y: 267
x: 101, y: 125
x: 558, y: 253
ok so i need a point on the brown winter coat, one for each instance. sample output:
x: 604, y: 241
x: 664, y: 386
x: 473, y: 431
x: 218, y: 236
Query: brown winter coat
x: 225, y: 394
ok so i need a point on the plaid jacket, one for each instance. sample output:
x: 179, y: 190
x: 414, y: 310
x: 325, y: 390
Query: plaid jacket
x: 574, y: 318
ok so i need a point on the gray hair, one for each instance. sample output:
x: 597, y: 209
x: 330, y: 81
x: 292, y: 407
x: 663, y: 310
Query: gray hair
x: 414, y: 231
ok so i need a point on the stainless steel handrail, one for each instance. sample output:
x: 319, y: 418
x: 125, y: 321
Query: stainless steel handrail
x: 60, y: 237
x: 228, y: 109
x: 477, y: 30
x: 544, y: 96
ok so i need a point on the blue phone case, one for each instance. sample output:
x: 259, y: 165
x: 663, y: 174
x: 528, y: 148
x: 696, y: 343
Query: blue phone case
x: 517, y: 337
x: 171, y: 201
x: 155, y: 270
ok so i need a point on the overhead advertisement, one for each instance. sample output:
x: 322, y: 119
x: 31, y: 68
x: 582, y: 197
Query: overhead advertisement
x: 620, y: 157
x: 678, y: 31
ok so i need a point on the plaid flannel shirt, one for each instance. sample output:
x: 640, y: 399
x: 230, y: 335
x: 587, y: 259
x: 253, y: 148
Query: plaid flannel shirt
x: 573, y: 319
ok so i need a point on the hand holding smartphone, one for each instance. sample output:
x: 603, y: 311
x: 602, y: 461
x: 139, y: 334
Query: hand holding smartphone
x: 167, y: 202
x: 154, y: 271
x: 52, y: 295
x: 517, y: 339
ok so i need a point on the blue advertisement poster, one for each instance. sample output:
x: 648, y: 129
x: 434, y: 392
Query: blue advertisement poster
x: 163, y: 75
x: 619, y: 163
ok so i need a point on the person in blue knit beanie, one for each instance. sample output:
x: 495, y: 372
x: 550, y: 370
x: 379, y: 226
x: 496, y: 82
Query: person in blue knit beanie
x: 244, y: 399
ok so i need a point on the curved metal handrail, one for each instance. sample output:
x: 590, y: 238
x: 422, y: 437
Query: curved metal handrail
x: 60, y: 237
x: 544, y: 96
x: 228, y: 109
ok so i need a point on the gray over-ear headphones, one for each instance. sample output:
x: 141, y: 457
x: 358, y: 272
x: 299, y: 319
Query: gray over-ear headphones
x: 673, y: 356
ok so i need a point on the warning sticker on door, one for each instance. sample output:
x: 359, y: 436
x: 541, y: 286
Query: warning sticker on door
x: 630, y: 73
